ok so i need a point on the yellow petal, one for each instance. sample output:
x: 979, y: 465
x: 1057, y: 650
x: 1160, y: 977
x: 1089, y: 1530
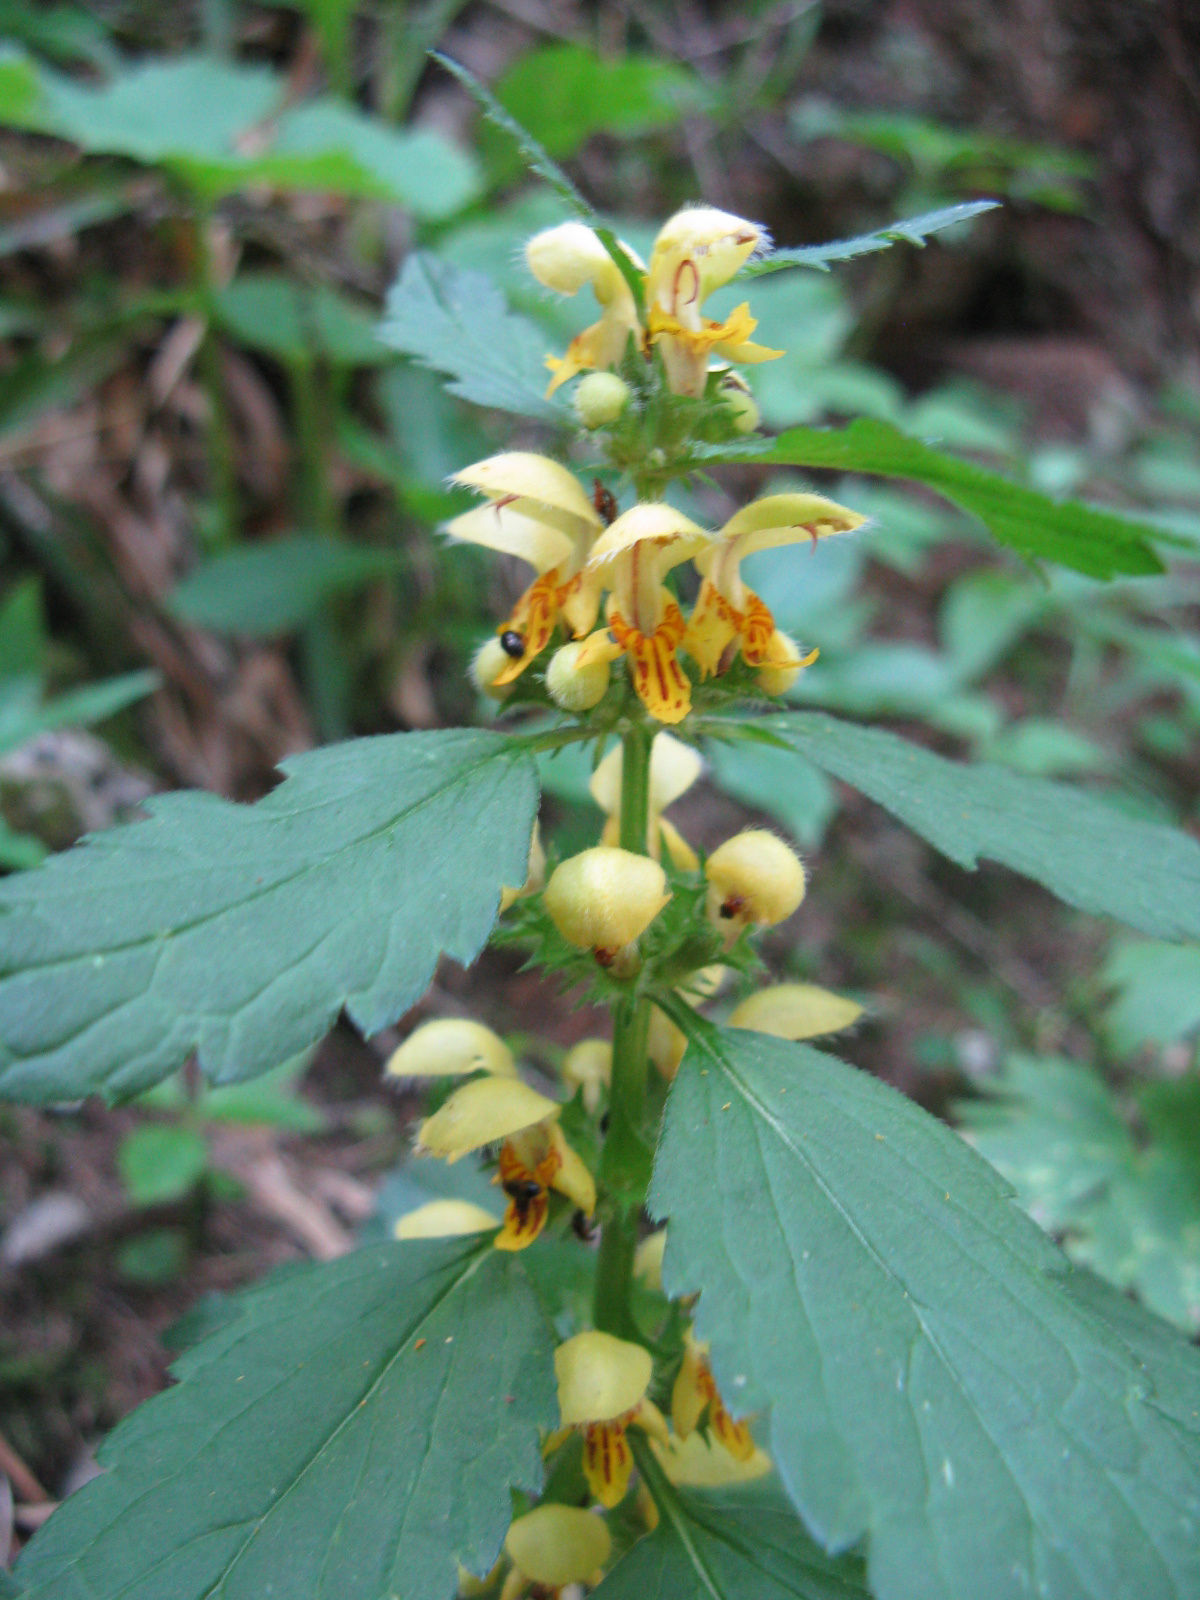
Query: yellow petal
x: 440, y: 1219
x: 674, y: 768
x: 554, y: 1545
x: 784, y: 664
x: 483, y: 1112
x: 659, y: 681
x: 683, y: 857
x: 450, y: 1047
x: 535, y: 486
x: 573, y: 1178
x: 690, y: 1393
x: 588, y: 1066
x: 665, y: 1043
x: 607, y: 1462
x: 648, y: 1259
x: 717, y: 243
x: 597, y: 647
x: 700, y: 1463
x: 754, y: 878
x: 714, y: 624
x: 747, y: 353
x: 579, y: 601
x: 535, y: 872
x: 568, y: 256
x: 795, y: 1011
x: 679, y: 537
x: 777, y: 519
x: 600, y: 1377
x: 512, y: 534
x: 651, y: 1420
x: 596, y: 348
x: 533, y: 618
x: 603, y: 899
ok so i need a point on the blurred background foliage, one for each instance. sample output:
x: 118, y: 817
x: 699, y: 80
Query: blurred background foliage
x: 220, y: 492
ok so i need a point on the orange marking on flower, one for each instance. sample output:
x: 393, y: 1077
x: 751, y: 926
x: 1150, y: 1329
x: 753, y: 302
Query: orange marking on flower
x: 758, y: 625
x: 661, y: 683
x: 533, y: 617
x: 528, y: 1196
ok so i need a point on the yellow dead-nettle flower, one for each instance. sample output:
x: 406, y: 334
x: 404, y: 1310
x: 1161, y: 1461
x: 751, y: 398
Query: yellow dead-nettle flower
x: 602, y: 1383
x: 540, y: 513
x: 704, y: 1463
x: 698, y: 251
x: 754, y: 879
x: 727, y: 614
x: 554, y: 1545
x: 443, y: 1219
x: 631, y: 558
x: 566, y: 258
x: 695, y: 1392
x: 534, y: 1156
x: 603, y: 899
x: 674, y: 768
x: 588, y: 1066
x: 795, y: 1011
x: 451, y: 1047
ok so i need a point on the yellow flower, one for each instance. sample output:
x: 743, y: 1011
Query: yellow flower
x: 588, y: 1066
x: 534, y: 1156
x: 451, y: 1047
x: 697, y: 251
x: 535, y: 872
x: 695, y: 1392
x: 442, y: 1219
x: 602, y: 1383
x: 539, y: 512
x: 554, y: 1545
x: 632, y: 558
x: 726, y: 611
x: 754, y: 879
x: 666, y: 1040
x: 795, y: 1011
x: 566, y: 258
x: 674, y: 768
x: 603, y: 899
x: 702, y: 1463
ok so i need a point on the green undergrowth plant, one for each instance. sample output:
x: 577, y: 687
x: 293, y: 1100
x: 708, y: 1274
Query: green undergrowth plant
x: 715, y: 1314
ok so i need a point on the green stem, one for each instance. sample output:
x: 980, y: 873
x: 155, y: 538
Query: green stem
x: 624, y: 1167
x: 222, y: 465
x: 314, y: 507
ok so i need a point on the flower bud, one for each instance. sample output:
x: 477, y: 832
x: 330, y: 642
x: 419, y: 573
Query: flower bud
x: 555, y: 1545
x: 488, y: 662
x: 600, y: 399
x: 604, y: 898
x: 784, y: 664
x: 753, y: 878
x: 743, y: 413
x: 574, y: 687
x: 588, y: 1066
x: 451, y: 1047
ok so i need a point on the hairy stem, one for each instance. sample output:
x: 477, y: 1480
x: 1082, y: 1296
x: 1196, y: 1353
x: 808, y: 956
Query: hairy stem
x: 627, y: 1097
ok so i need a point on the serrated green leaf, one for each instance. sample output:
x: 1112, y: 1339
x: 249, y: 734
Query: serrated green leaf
x: 272, y: 313
x: 456, y: 321
x: 909, y: 230
x: 1096, y: 542
x: 95, y: 702
x: 271, y: 587
x: 1130, y: 1212
x: 240, y: 931
x: 1081, y: 848
x: 745, y: 1544
x: 931, y: 1383
x: 1158, y: 993
x: 353, y: 1432
x: 221, y: 126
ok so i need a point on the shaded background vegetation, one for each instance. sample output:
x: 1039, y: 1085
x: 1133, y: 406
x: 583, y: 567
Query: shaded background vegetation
x: 213, y: 472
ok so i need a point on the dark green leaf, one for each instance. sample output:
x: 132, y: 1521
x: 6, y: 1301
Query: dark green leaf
x: 932, y: 1383
x: 910, y: 230
x: 1090, y: 540
x: 353, y: 1433
x: 745, y: 1544
x: 1129, y: 1212
x: 240, y: 931
x: 456, y: 321
x: 1081, y: 848
x: 271, y: 587
x: 160, y: 1162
